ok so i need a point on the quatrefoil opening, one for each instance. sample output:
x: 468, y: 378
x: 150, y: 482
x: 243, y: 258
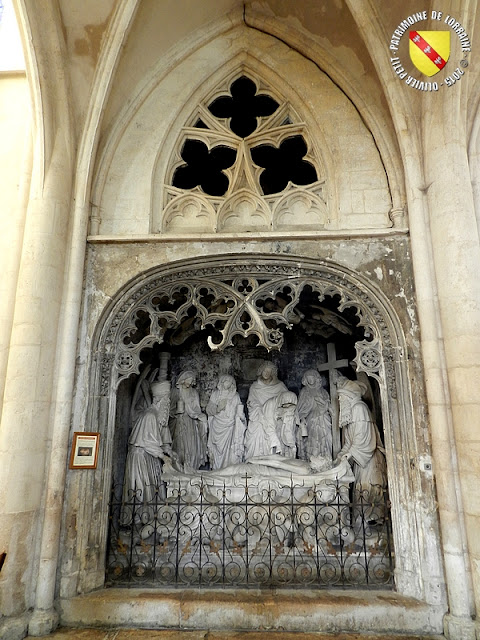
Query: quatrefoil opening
x: 204, y: 167
x: 243, y: 107
x: 283, y: 165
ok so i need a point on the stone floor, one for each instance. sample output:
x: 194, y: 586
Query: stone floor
x: 172, y: 634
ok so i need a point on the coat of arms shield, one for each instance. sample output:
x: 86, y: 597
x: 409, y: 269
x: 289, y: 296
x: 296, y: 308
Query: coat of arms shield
x: 429, y: 50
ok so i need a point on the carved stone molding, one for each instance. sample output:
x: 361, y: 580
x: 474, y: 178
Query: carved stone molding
x: 376, y: 362
x: 237, y: 298
x: 398, y: 216
x: 295, y: 208
x: 369, y: 357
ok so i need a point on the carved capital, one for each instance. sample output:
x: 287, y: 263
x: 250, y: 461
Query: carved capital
x: 398, y: 217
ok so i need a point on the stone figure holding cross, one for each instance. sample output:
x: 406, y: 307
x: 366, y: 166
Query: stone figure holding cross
x: 332, y: 366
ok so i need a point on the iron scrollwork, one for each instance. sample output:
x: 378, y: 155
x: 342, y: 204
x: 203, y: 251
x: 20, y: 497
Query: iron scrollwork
x: 264, y: 536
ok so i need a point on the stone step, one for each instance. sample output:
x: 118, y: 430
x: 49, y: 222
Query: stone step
x: 265, y: 611
x: 178, y: 634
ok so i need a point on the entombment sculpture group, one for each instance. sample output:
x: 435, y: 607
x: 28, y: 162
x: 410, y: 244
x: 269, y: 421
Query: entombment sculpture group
x: 171, y: 425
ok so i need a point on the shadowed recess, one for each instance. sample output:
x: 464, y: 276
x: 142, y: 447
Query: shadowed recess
x: 204, y: 168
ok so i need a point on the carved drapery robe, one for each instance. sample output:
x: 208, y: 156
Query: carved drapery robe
x: 364, y: 447
x: 149, y: 440
x: 189, y: 427
x: 226, y: 429
x: 286, y: 424
x: 263, y: 400
x: 313, y: 411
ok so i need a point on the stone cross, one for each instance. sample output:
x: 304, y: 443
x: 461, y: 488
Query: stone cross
x: 331, y: 365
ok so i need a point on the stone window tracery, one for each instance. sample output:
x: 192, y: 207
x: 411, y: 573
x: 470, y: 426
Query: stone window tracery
x: 243, y: 107
x: 244, y: 162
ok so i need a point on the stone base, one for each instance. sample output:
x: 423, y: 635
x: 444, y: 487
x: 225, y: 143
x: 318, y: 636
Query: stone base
x: 456, y: 628
x: 289, y: 610
x: 42, y: 622
x: 13, y: 628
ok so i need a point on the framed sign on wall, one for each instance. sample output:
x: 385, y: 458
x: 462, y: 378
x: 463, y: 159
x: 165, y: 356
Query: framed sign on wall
x: 84, y: 452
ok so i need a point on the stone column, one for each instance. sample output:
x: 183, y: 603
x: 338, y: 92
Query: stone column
x: 456, y: 260
x: 25, y: 431
x: 424, y: 211
x: 16, y: 169
x: 25, y: 427
x: 44, y: 616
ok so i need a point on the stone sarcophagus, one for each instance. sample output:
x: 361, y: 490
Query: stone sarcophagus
x: 270, y: 522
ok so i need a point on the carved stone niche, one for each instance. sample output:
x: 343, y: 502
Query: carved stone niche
x: 230, y: 323
x: 225, y: 315
x: 222, y: 308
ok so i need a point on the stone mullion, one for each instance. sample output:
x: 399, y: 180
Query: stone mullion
x: 210, y: 138
x: 275, y: 135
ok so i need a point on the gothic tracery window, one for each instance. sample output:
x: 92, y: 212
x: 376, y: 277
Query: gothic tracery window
x: 244, y: 162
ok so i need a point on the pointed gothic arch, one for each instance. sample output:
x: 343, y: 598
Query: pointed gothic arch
x: 270, y: 163
x: 318, y: 200
x: 134, y: 165
x: 243, y: 281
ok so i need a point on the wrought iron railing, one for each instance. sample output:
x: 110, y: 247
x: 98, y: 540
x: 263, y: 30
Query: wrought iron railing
x: 203, y: 535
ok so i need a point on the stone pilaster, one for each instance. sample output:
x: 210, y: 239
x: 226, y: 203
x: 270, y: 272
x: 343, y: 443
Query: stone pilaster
x: 25, y: 432
x: 456, y: 261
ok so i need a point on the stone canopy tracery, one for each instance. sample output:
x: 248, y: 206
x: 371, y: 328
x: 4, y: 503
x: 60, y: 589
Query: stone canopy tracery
x: 238, y: 298
x: 243, y: 307
x: 150, y: 310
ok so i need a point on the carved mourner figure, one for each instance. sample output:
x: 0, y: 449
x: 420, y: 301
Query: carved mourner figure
x: 149, y: 444
x: 314, y: 414
x: 362, y: 448
x: 189, y: 423
x: 286, y: 424
x: 263, y: 413
x: 226, y: 422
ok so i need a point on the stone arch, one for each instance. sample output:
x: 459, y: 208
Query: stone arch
x: 228, y: 279
x: 136, y: 164
x: 354, y: 88
x: 382, y: 355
